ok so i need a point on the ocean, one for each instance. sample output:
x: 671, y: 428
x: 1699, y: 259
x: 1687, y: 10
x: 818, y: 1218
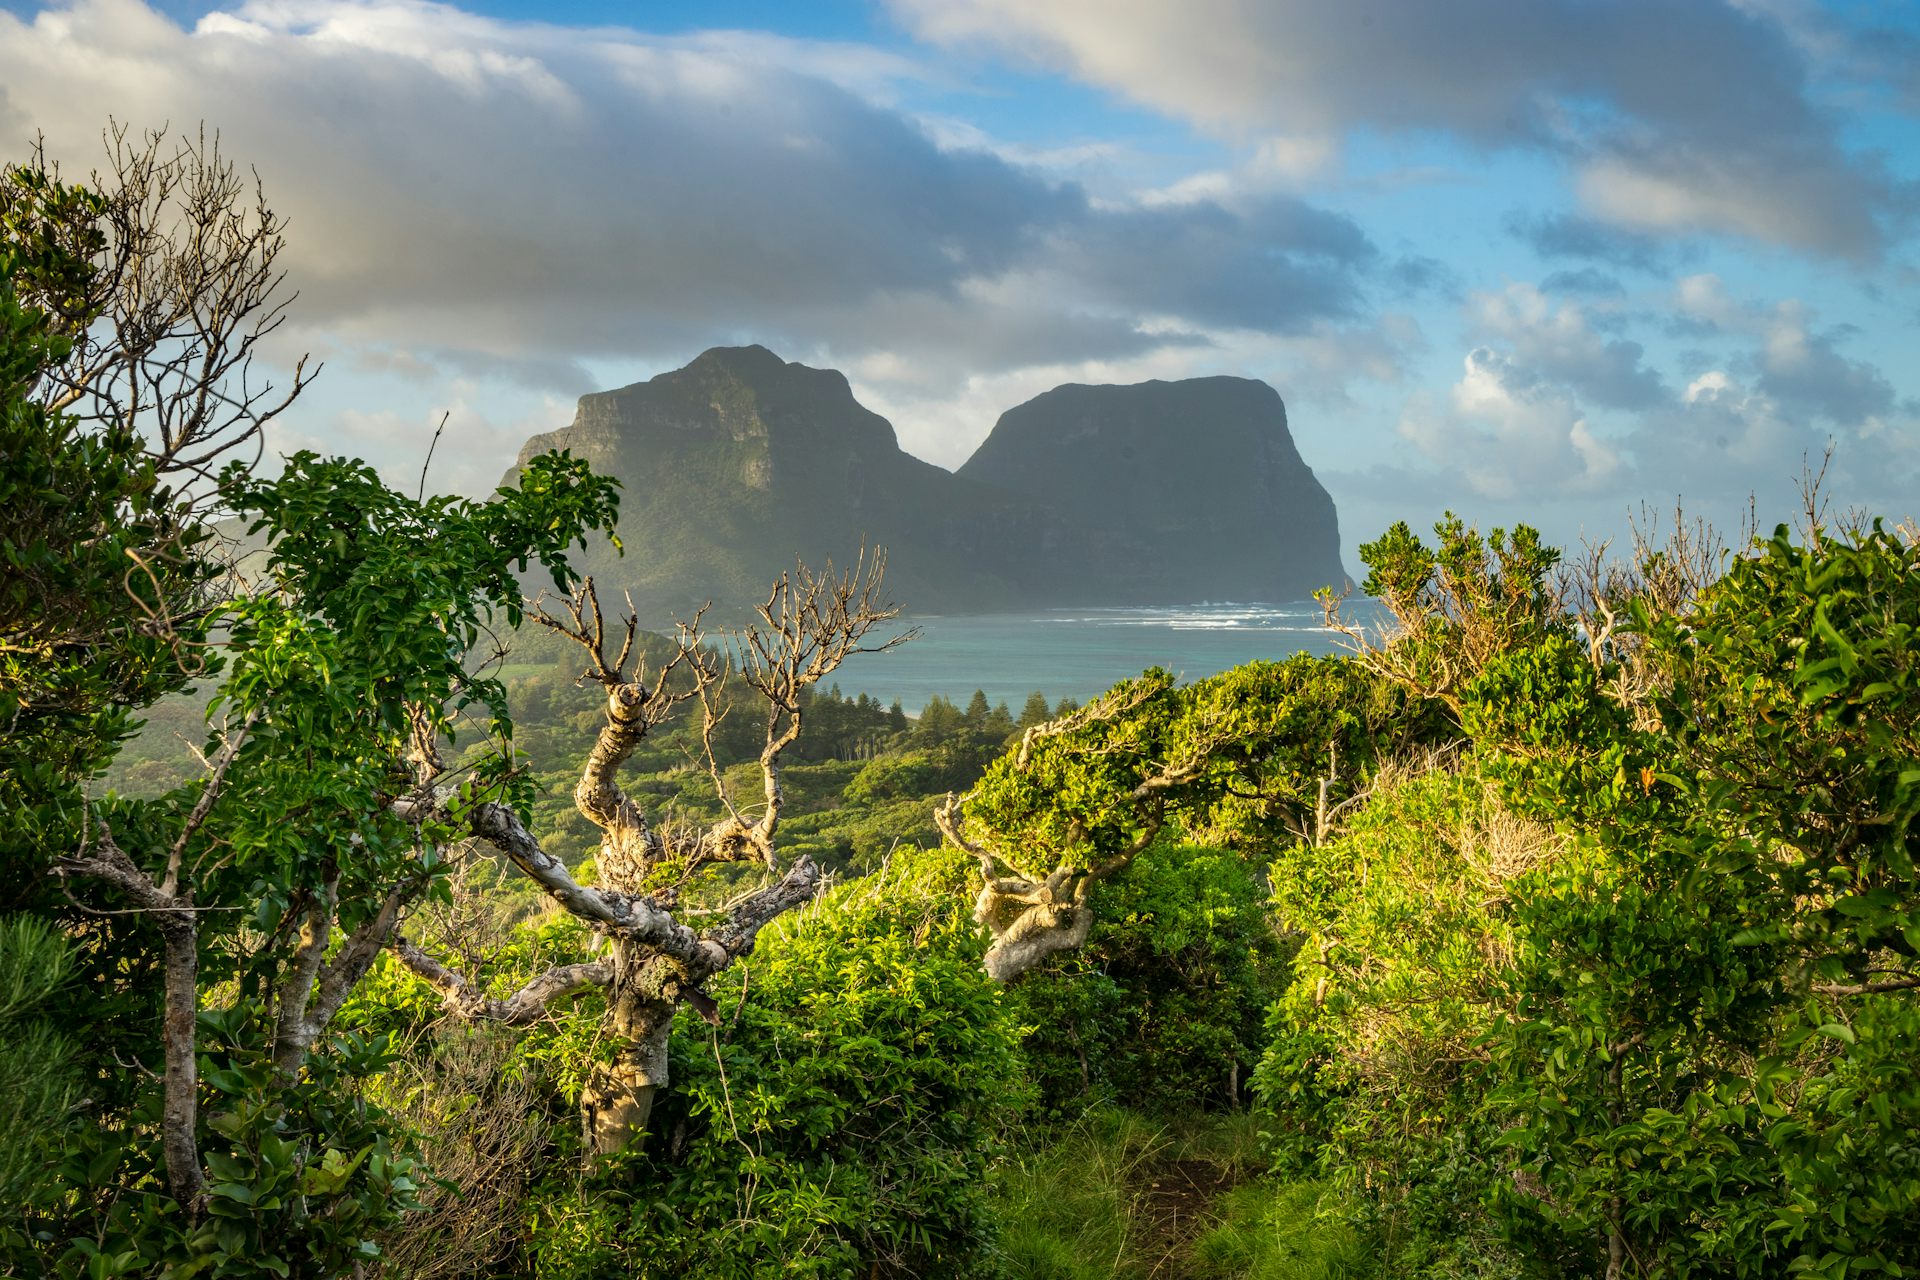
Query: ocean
x: 1078, y: 653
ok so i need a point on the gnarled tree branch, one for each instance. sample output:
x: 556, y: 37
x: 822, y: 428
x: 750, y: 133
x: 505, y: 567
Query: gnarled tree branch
x: 525, y: 1006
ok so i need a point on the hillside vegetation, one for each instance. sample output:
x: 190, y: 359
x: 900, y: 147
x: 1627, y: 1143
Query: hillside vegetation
x: 1572, y: 930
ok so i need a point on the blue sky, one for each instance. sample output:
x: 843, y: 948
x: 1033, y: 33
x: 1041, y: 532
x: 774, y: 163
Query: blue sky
x: 1540, y: 260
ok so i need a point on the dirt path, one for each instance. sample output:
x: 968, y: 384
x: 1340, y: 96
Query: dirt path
x: 1177, y: 1208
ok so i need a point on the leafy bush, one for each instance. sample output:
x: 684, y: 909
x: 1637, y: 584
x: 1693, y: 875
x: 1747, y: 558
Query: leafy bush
x: 839, y: 1119
x: 1376, y: 1080
x: 1646, y: 1005
x: 902, y: 776
x: 1163, y: 1008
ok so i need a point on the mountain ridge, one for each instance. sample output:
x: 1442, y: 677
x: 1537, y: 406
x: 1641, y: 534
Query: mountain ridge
x: 739, y: 462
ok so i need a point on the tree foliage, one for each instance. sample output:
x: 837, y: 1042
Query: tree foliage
x: 1282, y: 745
x: 1705, y: 952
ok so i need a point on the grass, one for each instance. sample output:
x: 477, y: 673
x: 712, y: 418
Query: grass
x: 1279, y: 1231
x: 1085, y: 1201
x: 1070, y: 1204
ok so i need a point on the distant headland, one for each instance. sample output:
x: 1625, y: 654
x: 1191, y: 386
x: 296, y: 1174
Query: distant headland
x: 1155, y: 493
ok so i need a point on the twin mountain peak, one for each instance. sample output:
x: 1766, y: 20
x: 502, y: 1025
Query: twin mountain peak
x: 1160, y: 493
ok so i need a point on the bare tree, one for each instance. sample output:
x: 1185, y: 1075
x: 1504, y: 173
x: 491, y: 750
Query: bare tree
x: 809, y: 624
x: 186, y: 290
x: 167, y: 288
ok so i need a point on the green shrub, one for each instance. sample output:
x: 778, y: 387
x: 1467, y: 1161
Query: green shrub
x: 1376, y: 1080
x: 904, y: 775
x: 838, y: 1121
x: 39, y: 1077
x: 1164, y: 1008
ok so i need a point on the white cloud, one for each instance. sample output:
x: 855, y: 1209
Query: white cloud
x: 1797, y: 365
x: 1507, y: 435
x: 1554, y: 339
x: 521, y: 197
x: 1680, y: 117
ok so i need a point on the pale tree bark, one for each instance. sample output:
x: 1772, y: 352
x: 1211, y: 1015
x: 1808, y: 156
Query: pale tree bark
x: 1030, y: 916
x: 166, y: 898
x: 809, y: 624
x: 1029, y: 919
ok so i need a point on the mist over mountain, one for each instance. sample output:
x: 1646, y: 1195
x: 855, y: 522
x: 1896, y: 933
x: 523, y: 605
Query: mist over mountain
x: 1160, y: 493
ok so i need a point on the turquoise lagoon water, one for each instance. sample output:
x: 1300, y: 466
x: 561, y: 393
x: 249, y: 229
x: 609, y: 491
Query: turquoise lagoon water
x: 1077, y: 653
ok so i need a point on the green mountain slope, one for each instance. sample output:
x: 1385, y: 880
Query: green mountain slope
x: 740, y: 462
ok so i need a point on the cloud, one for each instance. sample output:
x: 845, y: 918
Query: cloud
x: 1703, y: 301
x: 1727, y: 440
x: 1568, y: 235
x: 1506, y: 433
x: 1724, y: 438
x: 1527, y: 447
x: 1555, y: 341
x: 1678, y: 118
x: 475, y: 447
x: 1805, y: 371
x: 1587, y: 280
x: 1561, y: 412
x: 1560, y: 405
x: 1275, y: 265
x: 508, y: 199
x: 1798, y: 194
x: 1798, y: 366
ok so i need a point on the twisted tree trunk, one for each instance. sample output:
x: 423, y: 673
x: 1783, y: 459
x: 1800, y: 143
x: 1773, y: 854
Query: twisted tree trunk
x: 1029, y: 922
x: 808, y: 626
x: 618, y: 1098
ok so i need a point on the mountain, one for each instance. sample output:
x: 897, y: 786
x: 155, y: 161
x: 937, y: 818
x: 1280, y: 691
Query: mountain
x: 1161, y: 493
x: 739, y: 462
x: 1196, y: 485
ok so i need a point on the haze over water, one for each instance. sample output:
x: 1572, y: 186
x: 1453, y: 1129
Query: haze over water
x: 1079, y: 653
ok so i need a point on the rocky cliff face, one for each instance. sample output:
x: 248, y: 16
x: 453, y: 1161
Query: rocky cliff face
x: 1195, y: 486
x: 739, y: 463
x: 1163, y: 493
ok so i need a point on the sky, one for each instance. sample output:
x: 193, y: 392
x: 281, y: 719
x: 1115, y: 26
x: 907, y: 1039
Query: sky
x: 1553, y: 261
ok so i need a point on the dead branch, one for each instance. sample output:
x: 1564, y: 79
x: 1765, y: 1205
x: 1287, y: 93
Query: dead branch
x: 1904, y: 982
x: 952, y: 823
x: 524, y: 1007
x: 743, y: 923
x: 188, y: 291
x: 621, y: 915
x: 809, y: 625
x: 806, y: 627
